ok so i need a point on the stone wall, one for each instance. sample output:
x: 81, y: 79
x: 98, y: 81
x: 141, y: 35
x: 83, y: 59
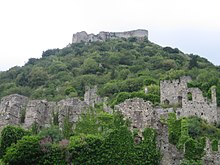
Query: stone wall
x: 90, y: 97
x: 39, y: 111
x: 36, y: 111
x: 137, y: 110
x: 211, y: 157
x: 142, y: 114
x: 42, y: 112
x: 198, y: 106
x: 71, y: 108
x: 171, y: 90
x: 10, y: 109
x: 176, y: 92
x: 103, y: 36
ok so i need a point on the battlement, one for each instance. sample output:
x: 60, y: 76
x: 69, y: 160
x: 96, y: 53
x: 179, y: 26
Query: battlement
x: 103, y: 36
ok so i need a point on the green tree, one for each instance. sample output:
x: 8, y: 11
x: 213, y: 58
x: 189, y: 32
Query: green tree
x: 90, y: 66
x: 25, y: 151
x: 193, y: 62
x: 9, y: 135
x: 37, y: 77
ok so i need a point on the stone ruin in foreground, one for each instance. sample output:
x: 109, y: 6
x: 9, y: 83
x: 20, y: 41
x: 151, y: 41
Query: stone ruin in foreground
x: 20, y: 110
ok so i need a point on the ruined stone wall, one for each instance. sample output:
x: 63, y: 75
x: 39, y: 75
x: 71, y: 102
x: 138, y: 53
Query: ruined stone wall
x: 137, y: 110
x: 142, y: 115
x: 42, y: 112
x: 90, y: 97
x: 10, y: 109
x: 211, y: 157
x: 176, y: 92
x: 36, y: 111
x: 72, y: 109
x: 103, y: 36
x: 198, y: 105
x: 39, y: 111
x: 171, y: 90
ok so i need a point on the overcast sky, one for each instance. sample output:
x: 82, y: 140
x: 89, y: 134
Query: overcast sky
x: 28, y: 27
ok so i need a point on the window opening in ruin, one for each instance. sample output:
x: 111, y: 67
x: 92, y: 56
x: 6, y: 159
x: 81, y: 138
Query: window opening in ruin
x: 201, y: 114
x: 178, y: 113
x: 189, y: 96
x: 180, y: 98
x: 167, y: 102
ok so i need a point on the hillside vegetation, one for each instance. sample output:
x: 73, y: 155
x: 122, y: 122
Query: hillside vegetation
x: 121, y: 69
x: 122, y: 65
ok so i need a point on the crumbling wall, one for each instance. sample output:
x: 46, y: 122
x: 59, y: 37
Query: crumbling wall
x: 36, y: 111
x: 103, y: 36
x: 211, y: 157
x: 10, y: 109
x: 176, y: 92
x: 138, y: 111
x: 171, y: 90
x: 13, y: 107
x: 198, y: 105
x: 70, y: 109
x: 142, y: 114
x: 90, y: 97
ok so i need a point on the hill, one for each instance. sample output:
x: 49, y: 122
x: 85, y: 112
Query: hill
x: 119, y: 65
x: 154, y: 117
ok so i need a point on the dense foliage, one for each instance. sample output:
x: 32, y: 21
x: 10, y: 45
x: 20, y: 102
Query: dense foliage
x: 109, y: 141
x: 190, y: 134
x: 122, y: 65
x: 10, y: 135
x: 122, y: 69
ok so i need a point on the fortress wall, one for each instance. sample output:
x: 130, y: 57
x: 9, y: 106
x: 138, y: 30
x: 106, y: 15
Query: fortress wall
x: 10, y: 109
x: 171, y: 90
x: 138, y: 111
x: 198, y: 106
x: 103, y: 36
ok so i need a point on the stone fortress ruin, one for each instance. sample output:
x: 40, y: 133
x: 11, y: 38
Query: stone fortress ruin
x: 103, y: 36
x: 190, y: 100
x: 20, y: 110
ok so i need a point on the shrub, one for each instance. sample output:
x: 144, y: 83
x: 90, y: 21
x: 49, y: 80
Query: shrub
x: 194, y: 150
x: 25, y: 151
x: 215, y: 145
x: 53, y: 132
x: 85, y: 149
x: 9, y: 135
x: 56, y: 155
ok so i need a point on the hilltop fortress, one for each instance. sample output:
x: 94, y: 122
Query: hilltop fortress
x: 20, y: 110
x: 103, y: 36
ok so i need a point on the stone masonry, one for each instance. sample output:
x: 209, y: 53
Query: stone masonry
x: 15, y: 107
x: 10, y: 109
x: 176, y: 92
x: 141, y: 113
x: 103, y: 36
x: 90, y: 97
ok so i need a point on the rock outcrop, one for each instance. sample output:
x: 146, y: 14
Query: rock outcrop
x: 103, y: 36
